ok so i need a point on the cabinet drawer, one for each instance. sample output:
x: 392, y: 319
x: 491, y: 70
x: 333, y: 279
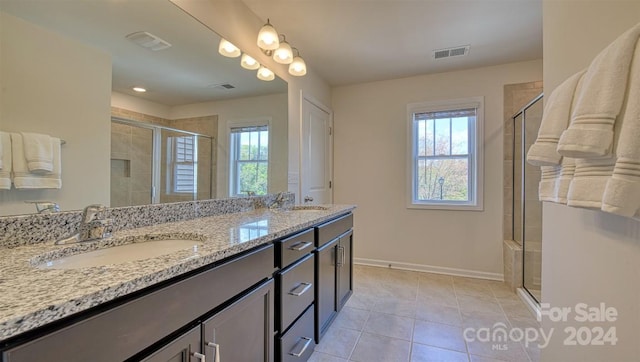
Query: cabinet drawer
x: 298, y: 344
x: 296, y: 291
x: 332, y: 229
x: 294, y: 248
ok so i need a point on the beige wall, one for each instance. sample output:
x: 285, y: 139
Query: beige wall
x: 234, y: 21
x: 588, y: 256
x: 57, y: 86
x: 273, y: 107
x: 370, y: 149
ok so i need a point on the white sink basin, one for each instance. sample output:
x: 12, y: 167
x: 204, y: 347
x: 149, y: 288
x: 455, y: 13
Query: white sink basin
x: 123, y: 253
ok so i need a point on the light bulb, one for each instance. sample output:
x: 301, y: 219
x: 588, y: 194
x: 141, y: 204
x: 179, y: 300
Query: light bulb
x: 227, y: 49
x: 265, y: 74
x: 284, y: 54
x: 268, y: 37
x: 298, y: 67
x: 139, y: 89
x: 247, y: 62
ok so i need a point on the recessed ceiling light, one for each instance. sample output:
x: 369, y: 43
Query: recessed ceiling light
x: 139, y: 89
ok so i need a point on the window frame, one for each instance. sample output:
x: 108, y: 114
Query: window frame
x: 476, y: 155
x: 173, y: 164
x: 257, y: 122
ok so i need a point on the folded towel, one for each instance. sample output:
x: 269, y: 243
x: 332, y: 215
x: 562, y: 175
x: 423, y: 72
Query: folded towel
x: 547, y: 184
x: 23, y: 179
x: 590, y: 134
x: 589, y: 181
x: 563, y: 181
x: 622, y: 193
x: 5, y: 161
x: 38, y: 152
x: 555, y: 119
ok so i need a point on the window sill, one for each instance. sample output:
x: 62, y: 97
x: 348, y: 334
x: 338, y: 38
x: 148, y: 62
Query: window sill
x: 449, y: 207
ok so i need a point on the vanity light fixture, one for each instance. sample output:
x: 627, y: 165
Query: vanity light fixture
x: 247, y: 62
x: 297, y: 67
x: 268, y: 38
x: 227, y: 49
x: 265, y: 73
x: 139, y: 89
x: 284, y: 54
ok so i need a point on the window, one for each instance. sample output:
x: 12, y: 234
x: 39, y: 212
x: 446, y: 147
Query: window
x: 444, y: 154
x: 249, y: 154
x: 183, y: 161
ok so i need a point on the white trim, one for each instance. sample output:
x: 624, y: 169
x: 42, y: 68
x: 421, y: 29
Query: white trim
x: 531, y: 304
x: 246, y: 122
x: 430, y: 269
x: 477, y: 204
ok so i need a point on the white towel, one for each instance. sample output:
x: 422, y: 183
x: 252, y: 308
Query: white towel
x: 589, y: 181
x: 38, y: 152
x: 622, y: 193
x: 591, y: 132
x: 563, y: 181
x: 5, y: 161
x: 555, y: 119
x: 547, y: 184
x: 23, y: 179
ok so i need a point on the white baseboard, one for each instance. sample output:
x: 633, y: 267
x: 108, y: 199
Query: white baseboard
x: 531, y: 304
x: 430, y: 269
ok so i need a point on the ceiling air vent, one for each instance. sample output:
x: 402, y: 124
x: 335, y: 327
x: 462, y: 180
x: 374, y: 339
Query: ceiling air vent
x: 221, y: 86
x: 451, y: 52
x: 148, y: 40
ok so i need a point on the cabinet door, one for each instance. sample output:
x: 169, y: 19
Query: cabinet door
x: 326, y: 283
x: 345, y: 269
x: 244, y: 330
x: 185, y: 348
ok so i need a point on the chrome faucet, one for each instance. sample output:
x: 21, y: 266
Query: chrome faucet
x: 93, y: 226
x: 45, y: 207
x: 278, y: 202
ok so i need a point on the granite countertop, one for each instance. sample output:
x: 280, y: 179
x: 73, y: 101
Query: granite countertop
x: 31, y: 297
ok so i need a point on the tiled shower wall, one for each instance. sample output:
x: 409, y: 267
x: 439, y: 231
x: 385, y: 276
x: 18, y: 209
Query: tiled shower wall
x: 516, y: 96
x: 131, y: 158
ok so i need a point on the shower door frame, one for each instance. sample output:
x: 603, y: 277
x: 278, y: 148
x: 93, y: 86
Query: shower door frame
x: 523, y: 182
x: 156, y: 149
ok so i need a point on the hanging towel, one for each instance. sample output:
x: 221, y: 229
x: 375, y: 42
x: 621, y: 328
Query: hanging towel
x: 38, y: 152
x: 590, y: 134
x: 5, y: 161
x: 547, y: 184
x: 555, y: 119
x: 622, y: 192
x: 563, y: 181
x: 589, y: 181
x: 23, y: 179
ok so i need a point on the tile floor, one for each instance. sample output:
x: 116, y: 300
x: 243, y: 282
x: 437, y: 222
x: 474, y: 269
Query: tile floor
x: 396, y: 315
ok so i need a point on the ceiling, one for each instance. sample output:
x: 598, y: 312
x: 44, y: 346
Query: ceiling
x: 185, y: 73
x: 355, y: 41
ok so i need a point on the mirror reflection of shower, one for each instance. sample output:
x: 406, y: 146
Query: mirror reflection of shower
x: 153, y: 163
x: 527, y: 209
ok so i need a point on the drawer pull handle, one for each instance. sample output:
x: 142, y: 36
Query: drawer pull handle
x: 305, y: 287
x: 216, y: 356
x: 199, y: 356
x: 306, y: 342
x: 339, y: 256
x: 300, y: 246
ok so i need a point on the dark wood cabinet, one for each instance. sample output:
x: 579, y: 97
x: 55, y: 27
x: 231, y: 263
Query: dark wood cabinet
x: 242, y: 331
x: 334, y: 270
x: 185, y: 348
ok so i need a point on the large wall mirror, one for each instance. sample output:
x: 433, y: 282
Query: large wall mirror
x: 205, y: 127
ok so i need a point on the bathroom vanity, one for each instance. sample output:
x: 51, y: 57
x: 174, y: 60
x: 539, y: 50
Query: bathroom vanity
x: 263, y: 285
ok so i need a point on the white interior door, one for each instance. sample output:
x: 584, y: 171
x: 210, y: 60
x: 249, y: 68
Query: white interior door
x: 316, y: 151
